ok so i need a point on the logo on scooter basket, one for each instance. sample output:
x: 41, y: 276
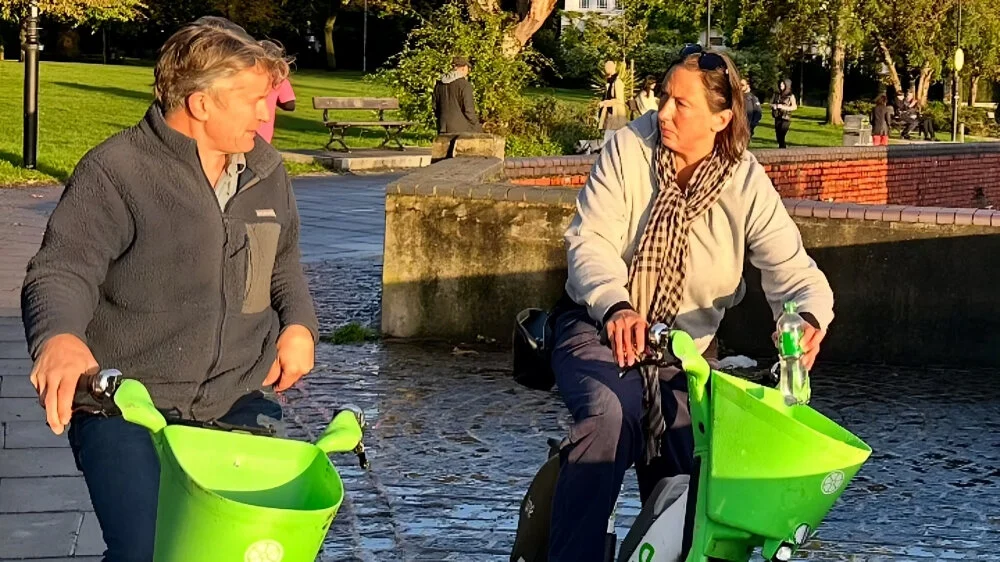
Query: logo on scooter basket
x: 266, y: 550
x: 833, y: 482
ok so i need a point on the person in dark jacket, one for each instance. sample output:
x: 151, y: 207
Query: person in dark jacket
x: 782, y: 105
x: 907, y: 114
x: 881, y: 121
x: 172, y: 256
x: 754, y: 111
x: 454, y: 103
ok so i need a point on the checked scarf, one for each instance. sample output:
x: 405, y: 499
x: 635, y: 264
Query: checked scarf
x: 659, y: 267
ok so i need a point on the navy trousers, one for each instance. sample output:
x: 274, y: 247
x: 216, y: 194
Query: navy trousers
x: 122, y: 473
x: 606, y: 438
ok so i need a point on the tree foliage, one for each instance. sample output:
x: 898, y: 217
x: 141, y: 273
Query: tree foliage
x: 980, y: 41
x: 497, y: 79
x: 76, y: 11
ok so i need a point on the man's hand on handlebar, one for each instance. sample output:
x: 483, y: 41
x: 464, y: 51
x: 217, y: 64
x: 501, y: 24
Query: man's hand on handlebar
x: 627, y: 332
x: 63, y: 359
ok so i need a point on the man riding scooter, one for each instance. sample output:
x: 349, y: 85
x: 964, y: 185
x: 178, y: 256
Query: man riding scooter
x: 672, y: 251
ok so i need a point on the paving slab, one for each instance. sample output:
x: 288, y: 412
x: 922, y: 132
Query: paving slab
x: 15, y: 367
x: 20, y: 409
x: 90, y: 541
x: 13, y: 386
x: 38, y: 535
x: 60, y: 559
x: 24, y: 463
x: 32, y: 435
x: 15, y: 349
x: 363, y: 160
x: 30, y: 495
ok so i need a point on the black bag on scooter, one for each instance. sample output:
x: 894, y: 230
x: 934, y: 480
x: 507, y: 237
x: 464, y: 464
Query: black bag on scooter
x: 534, y: 339
x: 533, y: 349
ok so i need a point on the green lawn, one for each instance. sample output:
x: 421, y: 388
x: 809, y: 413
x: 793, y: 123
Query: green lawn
x: 83, y: 104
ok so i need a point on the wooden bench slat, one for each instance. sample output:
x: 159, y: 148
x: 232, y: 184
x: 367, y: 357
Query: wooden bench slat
x: 355, y: 103
x: 367, y: 123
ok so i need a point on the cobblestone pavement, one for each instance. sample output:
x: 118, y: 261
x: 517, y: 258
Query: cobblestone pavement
x: 453, y: 442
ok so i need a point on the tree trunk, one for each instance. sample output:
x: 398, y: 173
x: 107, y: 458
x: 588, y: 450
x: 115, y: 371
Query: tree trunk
x: 104, y: 46
x: 887, y: 59
x: 22, y: 39
x: 923, y: 84
x: 331, y: 56
x: 973, y: 90
x: 835, y: 100
x: 521, y: 33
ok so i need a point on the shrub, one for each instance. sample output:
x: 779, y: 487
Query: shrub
x: 497, y: 80
x: 655, y: 59
x: 552, y: 127
x: 858, y: 107
x: 760, y: 67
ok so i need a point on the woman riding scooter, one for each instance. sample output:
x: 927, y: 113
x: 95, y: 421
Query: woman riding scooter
x: 672, y: 207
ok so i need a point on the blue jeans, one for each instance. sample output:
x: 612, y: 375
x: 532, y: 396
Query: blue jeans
x: 606, y: 438
x: 122, y: 473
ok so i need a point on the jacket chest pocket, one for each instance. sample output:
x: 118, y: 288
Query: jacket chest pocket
x: 262, y: 247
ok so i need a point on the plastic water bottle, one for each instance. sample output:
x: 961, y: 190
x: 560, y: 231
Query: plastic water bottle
x: 794, y: 381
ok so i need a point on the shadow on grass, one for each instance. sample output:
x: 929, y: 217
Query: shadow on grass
x: 110, y: 90
x: 18, y: 160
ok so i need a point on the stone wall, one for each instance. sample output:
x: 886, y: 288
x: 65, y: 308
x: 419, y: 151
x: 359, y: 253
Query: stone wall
x: 464, y: 253
x: 920, y: 174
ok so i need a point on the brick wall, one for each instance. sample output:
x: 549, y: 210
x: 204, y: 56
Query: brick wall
x: 566, y: 171
x: 941, y: 175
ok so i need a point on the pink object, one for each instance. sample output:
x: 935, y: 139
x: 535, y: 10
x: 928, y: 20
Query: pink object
x: 283, y: 93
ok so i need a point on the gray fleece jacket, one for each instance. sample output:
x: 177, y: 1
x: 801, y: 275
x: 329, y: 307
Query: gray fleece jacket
x: 139, y: 262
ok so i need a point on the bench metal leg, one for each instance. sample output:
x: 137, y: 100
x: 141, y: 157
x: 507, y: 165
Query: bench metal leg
x: 392, y: 136
x: 337, y: 136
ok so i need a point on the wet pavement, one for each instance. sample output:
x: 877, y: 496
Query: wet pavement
x: 454, y: 443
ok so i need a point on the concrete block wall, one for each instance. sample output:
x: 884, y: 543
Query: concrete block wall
x: 913, y: 285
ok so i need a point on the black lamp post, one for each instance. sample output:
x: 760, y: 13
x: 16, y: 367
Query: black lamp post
x: 956, y: 83
x: 30, y: 147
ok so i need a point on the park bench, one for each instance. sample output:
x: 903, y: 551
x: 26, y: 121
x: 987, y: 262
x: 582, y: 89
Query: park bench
x: 338, y: 127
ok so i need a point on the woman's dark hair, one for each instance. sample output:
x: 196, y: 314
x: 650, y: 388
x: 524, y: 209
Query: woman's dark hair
x: 881, y: 100
x: 723, y: 91
x: 649, y: 83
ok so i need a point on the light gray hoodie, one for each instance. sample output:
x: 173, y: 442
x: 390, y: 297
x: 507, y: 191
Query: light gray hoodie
x: 748, y: 220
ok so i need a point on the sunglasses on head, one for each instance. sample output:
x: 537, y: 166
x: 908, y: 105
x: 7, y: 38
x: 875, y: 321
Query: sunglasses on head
x: 706, y: 60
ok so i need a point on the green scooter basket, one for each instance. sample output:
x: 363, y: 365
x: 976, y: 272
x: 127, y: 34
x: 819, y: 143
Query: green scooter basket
x: 774, y: 467
x: 769, y: 473
x: 234, y: 496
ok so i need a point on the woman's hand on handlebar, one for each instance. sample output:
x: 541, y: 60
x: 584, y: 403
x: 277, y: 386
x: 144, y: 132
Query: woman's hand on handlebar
x: 627, y: 331
x: 811, y: 338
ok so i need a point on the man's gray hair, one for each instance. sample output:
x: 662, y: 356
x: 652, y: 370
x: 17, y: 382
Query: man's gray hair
x: 206, y: 50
